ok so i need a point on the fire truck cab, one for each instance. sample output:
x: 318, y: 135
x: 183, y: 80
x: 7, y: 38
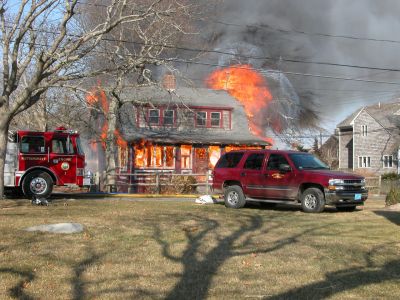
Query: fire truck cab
x: 36, y: 161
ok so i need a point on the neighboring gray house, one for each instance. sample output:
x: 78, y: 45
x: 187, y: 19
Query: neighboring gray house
x: 369, y: 139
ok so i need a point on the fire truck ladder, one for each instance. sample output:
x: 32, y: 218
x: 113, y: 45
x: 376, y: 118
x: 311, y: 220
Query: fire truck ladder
x: 11, y: 136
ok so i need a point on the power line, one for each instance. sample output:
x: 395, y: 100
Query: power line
x: 270, y: 27
x: 263, y: 71
x: 197, y: 50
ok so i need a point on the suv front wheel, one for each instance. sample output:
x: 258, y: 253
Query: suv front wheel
x: 312, y: 200
x: 234, y: 197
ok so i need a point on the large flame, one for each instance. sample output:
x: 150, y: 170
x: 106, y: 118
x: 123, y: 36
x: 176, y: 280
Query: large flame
x: 248, y: 87
x: 98, y: 97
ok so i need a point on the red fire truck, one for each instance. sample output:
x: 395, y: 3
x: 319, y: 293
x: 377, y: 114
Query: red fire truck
x: 36, y: 161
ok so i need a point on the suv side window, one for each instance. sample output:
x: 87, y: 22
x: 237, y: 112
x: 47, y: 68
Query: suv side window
x: 254, y: 161
x: 229, y: 160
x: 275, y: 160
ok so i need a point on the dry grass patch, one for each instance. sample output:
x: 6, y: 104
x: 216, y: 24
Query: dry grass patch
x: 184, y: 251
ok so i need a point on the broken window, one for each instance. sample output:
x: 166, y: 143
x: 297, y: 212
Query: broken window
x: 123, y: 158
x: 154, y: 156
x: 186, y: 156
x: 214, y: 153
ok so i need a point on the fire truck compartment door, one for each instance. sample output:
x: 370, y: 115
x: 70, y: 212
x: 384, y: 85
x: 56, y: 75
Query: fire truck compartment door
x: 11, y: 164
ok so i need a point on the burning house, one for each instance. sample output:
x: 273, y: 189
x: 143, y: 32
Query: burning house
x: 183, y: 131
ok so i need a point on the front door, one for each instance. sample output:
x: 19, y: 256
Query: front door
x: 278, y: 184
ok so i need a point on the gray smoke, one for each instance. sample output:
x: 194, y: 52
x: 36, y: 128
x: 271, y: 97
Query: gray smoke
x: 259, y: 35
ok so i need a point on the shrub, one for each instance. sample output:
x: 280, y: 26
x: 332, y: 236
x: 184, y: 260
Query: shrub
x: 179, y: 185
x: 183, y: 184
x: 390, y: 176
x: 393, y: 197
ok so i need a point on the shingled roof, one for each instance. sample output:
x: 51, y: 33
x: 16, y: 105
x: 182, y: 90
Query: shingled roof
x: 240, y: 133
x: 387, y: 114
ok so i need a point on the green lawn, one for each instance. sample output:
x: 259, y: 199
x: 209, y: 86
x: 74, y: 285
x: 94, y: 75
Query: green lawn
x: 179, y: 250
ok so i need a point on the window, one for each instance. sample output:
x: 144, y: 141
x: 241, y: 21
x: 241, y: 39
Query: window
x: 168, y: 117
x: 154, y: 116
x: 62, y: 145
x: 123, y: 158
x: 254, y: 161
x: 215, y: 119
x: 364, y: 161
x: 32, y: 144
x: 229, y: 160
x: 388, y: 161
x: 186, y: 156
x: 304, y: 161
x: 153, y: 156
x: 275, y: 160
x: 364, y: 130
x: 201, y: 118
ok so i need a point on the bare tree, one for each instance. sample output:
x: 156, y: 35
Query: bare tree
x: 136, y: 50
x: 43, y: 46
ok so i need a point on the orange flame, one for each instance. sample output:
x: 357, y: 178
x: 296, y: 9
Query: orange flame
x: 98, y: 96
x: 249, y: 88
x: 155, y: 156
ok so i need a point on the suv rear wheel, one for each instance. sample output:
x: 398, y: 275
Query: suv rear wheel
x: 234, y: 197
x: 312, y: 200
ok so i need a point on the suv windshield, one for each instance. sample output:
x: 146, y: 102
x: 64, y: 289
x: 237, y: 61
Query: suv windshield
x: 304, y: 161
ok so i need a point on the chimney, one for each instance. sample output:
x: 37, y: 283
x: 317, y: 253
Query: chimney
x: 169, y: 82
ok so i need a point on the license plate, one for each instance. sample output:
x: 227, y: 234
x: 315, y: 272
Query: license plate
x: 357, y: 197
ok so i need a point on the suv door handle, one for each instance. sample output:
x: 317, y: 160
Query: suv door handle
x: 243, y: 174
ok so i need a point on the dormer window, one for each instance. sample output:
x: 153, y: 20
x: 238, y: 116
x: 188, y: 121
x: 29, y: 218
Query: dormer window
x: 215, y: 119
x: 201, y: 117
x: 154, y: 116
x: 168, y: 117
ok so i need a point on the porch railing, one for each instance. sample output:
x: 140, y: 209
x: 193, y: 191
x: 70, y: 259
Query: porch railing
x: 161, y: 182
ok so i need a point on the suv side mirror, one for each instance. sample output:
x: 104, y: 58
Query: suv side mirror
x: 285, y: 168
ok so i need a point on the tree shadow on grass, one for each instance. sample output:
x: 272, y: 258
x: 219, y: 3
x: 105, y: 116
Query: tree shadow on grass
x: 199, y: 268
x: 337, y: 282
x: 392, y: 216
x: 77, y: 282
x: 18, y: 290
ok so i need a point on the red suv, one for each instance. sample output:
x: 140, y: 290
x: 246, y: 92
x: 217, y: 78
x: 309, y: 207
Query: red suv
x: 276, y: 176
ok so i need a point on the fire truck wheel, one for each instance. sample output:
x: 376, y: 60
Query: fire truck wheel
x: 37, y: 183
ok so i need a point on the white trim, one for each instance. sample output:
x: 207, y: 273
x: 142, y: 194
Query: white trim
x: 339, y: 134
x: 352, y: 121
x: 353, y: 150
